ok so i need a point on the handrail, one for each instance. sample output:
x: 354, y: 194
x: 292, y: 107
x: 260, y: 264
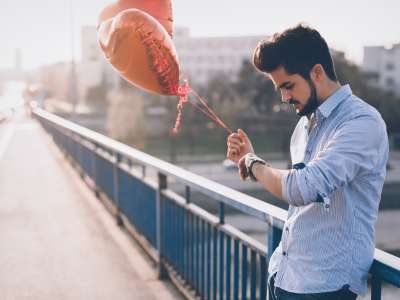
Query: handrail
x: 385, y: 267
x: 245, y: 203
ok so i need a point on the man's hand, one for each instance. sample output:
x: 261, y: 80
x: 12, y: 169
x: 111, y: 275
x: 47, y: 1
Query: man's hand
x: 242, y: 166
x: 238, y: 146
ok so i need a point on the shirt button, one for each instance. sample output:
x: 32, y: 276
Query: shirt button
x: 287, y: 229
x: 284, y: 253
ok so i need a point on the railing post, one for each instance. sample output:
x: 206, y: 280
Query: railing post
x: 187, y: 194
x: 221, y: 213
x: 74, y: 151
x: 162, y: 185
x: 94, y: 171
x: 143, y: 171
x: 80, y: 146
x: 221, y: 250
x: 117, y: 160
x: 273, y: 238
x: 376, y: 288
x: 65, y: 142
x: 68, y: 145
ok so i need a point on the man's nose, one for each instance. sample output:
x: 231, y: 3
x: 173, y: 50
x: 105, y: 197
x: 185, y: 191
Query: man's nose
x: 285, y: 96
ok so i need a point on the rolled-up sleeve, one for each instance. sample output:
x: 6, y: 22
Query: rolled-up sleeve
x: 353, y: 147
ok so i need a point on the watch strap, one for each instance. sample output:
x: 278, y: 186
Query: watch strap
x: 252, y: 161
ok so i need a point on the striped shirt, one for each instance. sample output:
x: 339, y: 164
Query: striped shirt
x: 328, y: 239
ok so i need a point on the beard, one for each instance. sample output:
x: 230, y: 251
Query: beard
x: 312, y: 102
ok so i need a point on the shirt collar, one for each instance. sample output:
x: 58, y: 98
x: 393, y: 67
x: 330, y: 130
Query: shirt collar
x: 334, y: 100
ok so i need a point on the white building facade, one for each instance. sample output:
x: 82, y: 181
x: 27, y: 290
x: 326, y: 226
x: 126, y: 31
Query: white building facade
x: 202, y: 58
x: 384, y: 63
x: 93, y: 68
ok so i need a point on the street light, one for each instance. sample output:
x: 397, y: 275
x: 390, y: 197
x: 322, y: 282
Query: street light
x: 73, y: 93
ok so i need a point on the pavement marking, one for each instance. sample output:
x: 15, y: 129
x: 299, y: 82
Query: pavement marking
x: 5, y: 141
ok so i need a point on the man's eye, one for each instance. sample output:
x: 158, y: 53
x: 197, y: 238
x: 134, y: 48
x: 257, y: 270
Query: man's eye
x: 289, y: 87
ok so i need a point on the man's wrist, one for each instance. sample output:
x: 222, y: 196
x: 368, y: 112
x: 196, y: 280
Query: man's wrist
x: 256, y: 168
x: 250, y: 161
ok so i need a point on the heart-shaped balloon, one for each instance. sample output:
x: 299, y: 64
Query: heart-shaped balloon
x: 141, y: 49
x: 161, y: 10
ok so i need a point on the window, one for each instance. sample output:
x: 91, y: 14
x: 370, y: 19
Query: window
x: 389, y: 82
x: 389, y: 66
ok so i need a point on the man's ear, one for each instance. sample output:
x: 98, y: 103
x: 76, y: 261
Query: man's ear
x: 317, y: 73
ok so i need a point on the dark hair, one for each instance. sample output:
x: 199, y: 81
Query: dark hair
x: 297, y: 49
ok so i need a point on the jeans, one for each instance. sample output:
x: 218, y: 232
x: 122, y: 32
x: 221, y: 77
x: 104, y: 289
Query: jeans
x: 278, y: 294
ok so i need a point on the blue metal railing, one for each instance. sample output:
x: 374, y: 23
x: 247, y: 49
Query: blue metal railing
x: 202, y: 254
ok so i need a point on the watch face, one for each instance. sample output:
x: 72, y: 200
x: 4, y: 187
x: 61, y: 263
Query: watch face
x: 250, y: 158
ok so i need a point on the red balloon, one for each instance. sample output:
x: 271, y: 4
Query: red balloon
x: 161, y: 10
x: 140, y: 49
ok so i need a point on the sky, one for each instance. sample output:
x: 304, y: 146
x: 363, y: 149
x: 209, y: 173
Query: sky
x: 42, y: 28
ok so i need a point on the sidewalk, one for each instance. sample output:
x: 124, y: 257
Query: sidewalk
x: 57, y: 240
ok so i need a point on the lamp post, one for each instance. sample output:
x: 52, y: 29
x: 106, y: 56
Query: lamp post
x: 73, y: 93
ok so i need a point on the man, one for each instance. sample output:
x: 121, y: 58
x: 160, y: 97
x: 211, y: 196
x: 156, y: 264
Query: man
x: 339, y: 150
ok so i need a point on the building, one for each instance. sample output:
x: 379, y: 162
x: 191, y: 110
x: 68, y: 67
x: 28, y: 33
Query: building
x: 55, y: 78
x: 16, y: 73
x: 93, y: 68
x: 383, y: 64
x: 202, y: 58
x: 90, y: 71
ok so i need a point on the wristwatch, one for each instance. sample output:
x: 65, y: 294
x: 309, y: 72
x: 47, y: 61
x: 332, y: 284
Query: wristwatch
x: 250, y: 160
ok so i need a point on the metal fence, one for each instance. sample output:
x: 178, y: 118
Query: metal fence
x: 203, y: 255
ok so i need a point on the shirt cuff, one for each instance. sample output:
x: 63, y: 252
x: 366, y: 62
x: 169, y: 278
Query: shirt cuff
x: 297, y: 190
x: 291, y: 192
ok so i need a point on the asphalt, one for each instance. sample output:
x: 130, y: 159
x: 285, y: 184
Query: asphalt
x: 57, y: 241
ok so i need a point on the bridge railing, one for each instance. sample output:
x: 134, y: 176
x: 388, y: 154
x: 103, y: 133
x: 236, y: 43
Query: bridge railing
x: 202, y: 254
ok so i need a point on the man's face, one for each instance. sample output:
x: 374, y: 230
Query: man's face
x: 296, y: 90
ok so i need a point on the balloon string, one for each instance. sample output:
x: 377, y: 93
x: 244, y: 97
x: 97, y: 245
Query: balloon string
x: 216, y: 119
x: 183, y: 93
x: 206, y: 113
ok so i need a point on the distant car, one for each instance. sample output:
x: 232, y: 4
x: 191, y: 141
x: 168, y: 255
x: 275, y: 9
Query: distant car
x: 396, y: 141
x: 229, y: 165
x: 389, y: 165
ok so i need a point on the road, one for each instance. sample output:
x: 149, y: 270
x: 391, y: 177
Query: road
x: 57, y: 239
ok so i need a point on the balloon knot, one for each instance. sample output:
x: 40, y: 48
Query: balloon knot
x: 183, y: 90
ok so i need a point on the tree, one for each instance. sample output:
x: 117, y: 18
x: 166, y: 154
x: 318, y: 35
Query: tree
x: 96, y: 96
x: 385, y: 102
x: 256, y: 88
x: 126, y: 117
x: 221, y: 94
